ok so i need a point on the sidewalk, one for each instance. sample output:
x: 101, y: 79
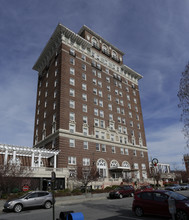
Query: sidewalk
x: 65, y: 200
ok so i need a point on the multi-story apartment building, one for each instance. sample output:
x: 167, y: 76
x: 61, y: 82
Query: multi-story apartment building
x: 88, y: 106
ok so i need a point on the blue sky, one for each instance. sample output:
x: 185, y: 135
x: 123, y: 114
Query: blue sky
x: 153, y: 34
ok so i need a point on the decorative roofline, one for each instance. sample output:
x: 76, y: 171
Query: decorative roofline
x: 98, y: 36
x: 132, y: 72
x: 53, y: 44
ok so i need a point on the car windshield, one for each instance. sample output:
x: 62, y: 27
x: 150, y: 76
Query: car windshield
x: 176, y: 196
x: 118, y: 188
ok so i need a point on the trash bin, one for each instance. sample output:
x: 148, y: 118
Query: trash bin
x: 63, y: 215
x: 75, y: 216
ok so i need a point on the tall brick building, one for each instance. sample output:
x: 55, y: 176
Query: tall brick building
x: 88, y: 106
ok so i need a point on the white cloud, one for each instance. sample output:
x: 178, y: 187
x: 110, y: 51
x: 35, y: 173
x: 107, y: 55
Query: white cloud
x: 168, y: 145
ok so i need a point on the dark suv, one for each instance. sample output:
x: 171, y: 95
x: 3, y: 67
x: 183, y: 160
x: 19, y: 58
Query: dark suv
x: 156, y: 203
x: 31, y: 199
x: 122, y: 191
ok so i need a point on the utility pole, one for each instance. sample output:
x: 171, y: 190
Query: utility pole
x: 53, y: 179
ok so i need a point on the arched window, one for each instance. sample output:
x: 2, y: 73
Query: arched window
x: 114, y: 54
x: 102, y: 168
x: 126, y: 165
x: 94, y: 41
x: 114, y: 163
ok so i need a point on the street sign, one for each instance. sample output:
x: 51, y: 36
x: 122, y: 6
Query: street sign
x: 25, y: 188
x: 155, y: 161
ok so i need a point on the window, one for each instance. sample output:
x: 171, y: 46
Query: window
x: 131, y: 123
x: 130, y: 115
x: 72, y: 81
x: 85, y: 130
x: 108, y: 88
x: 117, y: 100
x: 113, y: 150
x: 110, y: 107
x: 95, y: 91
x: 129, y: 105
x: 83, y: 66
x: 72, y: 128
x: 86, y: 162
x: 95, y: 101
x: 72, y: 116
x: 135, y: 165
x: 102, y: 124
x: 134, y: 153
x: 72, y: 52
x: 102, y: 135
x: 46, y: 84
x: 136, y: 108
x: 143, y: 166
x: 142, y: 154
x: 84, y: 86
x: 96, y: 122
x: 128, y: 97
x: 72, y: 92
x: 85, y: 145
x: 122, y: 150
x: 119, y: 119
x: 97, y: 134
x: 55, y: 94
x: 94, y: 81
x: 110, y: 117
x: 101, y: 114
x: 72, y: 160
x: 135, y: 101
x: 112, y: 137
x: 100, y: 84
x: 96, y: 111
x: 83, y: 57
x: 146, y: 196
x: 126, y: 151
x: 55, y: 83
x: 138, y: 126
x: 122, y: 111
x: 100, y: 103
x: 99, y: 74
x: 72, y: 61
x: 100, y: 93
x: 54, y: 105
x: 45, y: 103
x: 103, y: 146
x: 72, y: 71
x: 84, y: 76
x: 108, y: 79
x: 109, y: 97
x: 84, y: 108
x: 46, y: 93
x: 45, y: 114
x: 72, y: 104
x: 94, y: 72
x: 85, y: 119
x: 84, y: 97
x: 72, y: 143
x: 118, y: 110
x: 97, y: 147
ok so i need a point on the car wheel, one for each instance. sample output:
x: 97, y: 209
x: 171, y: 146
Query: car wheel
x: 120, y: 196
x: 138, y: 211
x: 48, y: 205
x: 18, y: 208
x: 181, y: 215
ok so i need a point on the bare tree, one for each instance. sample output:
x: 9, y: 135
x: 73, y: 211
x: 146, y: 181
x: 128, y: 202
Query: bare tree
x: 12, y: 176
x: 183, y: 95
x: 86, y: 175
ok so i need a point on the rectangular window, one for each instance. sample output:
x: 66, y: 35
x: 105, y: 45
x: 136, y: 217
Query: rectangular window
x: 100, y: 93
x: 103, y: 146
x: 72, y: 92
x: 96, y: 111
x: 113, y: 150
x: 72, y: 116
x: 109, y: 97
x: 121, y: 150
x: 97, y: 147
x: 102, y: 124
x: 84, y: 108
x: 72, y: 61
x: 83, y: 57
x: 95, y: 101
x: 101, y: 114
x: 72, y: 104
x: 83, y: 66
x: 110, y: 107
x: 72, y: 143
x: 100, y: 103
x: 126, y: 151
x: 95, y: 91
x: 72, y: 81
x: 134, y: 153
x: 85, y: 145
x: 72, y: 71
x: 72, y: 128
x: 85, y: 119
x: 84, y: 97
x: 72, y: 160
x: 96, y: 122
x: 84, y: 76
x: 97, y: 134
x: 84, y: 86
x: 86, y: 162
x: 85, y: 130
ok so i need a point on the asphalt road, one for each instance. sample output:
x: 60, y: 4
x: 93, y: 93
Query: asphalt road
x: 103, y: 209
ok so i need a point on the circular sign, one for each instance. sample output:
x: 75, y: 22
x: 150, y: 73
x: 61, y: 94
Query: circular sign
x: 155, y: 161
x: 25, y: 188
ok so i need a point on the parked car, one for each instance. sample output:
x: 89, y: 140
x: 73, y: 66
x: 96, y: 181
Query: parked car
x: 31, y: 199
x: 156, y: 203
x: 184, y: 186
x: 174, y: 187
x: 144, y: 188
x: 122, y: 191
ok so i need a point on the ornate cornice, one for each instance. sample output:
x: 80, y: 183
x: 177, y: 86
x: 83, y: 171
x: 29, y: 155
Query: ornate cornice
x: 59, y: 35
x: 131, y: 72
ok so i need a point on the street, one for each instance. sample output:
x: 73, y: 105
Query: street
x: 104, y: 209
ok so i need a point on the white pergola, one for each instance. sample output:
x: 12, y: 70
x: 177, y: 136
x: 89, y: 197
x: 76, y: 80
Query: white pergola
x: 32, y: 152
